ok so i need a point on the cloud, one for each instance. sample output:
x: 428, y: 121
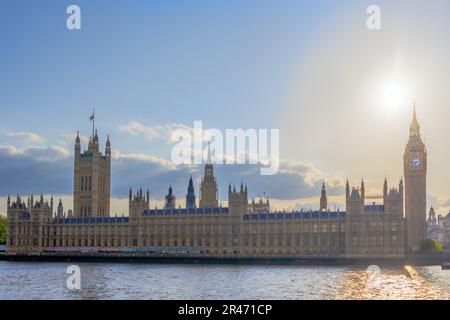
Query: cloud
x: 136, y: 128
x: 49, y: 170
x: 446, y: 203
x: 157, y: 132
x: 295, y: 180
x: 68, y: 139
x: 35, y: 170
x: 27, y: 137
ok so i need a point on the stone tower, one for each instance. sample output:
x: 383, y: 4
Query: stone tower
x: 92, y: 179
x: 323, y: 198
x: 415, y: 171
x: 137, y: 204
x: 190, y: 196
x: 208, y: 188
x: 170, y: 200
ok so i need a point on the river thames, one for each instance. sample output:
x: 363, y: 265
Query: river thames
x: 21, y: 280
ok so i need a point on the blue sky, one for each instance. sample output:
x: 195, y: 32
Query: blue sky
x: 225, y: 62
x: 292, y: 65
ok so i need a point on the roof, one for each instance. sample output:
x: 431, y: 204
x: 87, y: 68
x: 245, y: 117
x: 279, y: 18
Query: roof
x: 91, y: 220
x: 180, y: 211
x: 374, y: 208
x: 296, y: 215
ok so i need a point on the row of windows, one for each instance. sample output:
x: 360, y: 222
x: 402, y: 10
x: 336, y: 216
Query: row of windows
x: 86, y: 183
x: 373, y: 241
x: 332, y: 242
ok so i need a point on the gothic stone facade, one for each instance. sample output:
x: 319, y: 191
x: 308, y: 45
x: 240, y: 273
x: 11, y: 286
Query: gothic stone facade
x: 239, y: 230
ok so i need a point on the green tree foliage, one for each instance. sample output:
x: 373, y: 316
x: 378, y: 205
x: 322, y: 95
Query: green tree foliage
x: 430, y: 245
x: 2, y: 230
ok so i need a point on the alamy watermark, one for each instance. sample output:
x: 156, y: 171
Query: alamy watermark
x: 74, y: 280
x: 73, y: 21
x: 236, y: 146
x: 374, y: 19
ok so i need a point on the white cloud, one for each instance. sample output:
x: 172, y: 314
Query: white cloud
x: 117, y: 155
x: 27, y: 137
x: 156, y: 132
x: 136, y: 128
x: 68, y: 139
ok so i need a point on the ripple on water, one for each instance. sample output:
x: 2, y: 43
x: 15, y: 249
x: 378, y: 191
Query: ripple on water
x: 20, y: 280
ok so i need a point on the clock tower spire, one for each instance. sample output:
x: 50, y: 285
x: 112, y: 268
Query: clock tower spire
x: 415, y: 171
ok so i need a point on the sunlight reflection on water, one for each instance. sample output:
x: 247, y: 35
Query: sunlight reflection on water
x: 156, y: 281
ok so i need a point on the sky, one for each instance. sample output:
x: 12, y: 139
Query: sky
x: 340, y: 94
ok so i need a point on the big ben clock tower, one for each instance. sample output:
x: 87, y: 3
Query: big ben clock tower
x: 415, y: 171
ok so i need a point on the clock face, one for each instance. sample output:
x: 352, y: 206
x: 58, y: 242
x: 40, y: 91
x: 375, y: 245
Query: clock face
x: 416, y: 162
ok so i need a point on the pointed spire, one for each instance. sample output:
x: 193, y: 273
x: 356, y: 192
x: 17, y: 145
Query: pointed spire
x: 208, y: 161
x: 323, y: 198
x: 347, y: 189
x: 414, y: 130
x: 363, y: 189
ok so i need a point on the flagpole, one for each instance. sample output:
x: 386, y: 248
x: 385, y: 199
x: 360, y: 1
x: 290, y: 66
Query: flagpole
x: 93, y: 122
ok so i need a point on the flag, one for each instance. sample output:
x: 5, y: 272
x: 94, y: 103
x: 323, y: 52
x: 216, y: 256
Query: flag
x: 92, y: 117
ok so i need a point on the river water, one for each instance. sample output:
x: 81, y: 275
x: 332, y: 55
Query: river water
x: 22, y: 280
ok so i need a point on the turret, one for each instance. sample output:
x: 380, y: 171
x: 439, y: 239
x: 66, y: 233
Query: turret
x: 77, y: 144
x: 170, y: 199
x: 355, y: 201
x: 363, y: 190
x: 60, y: 212
x: 323, y: 198
x: 237, y: 200
x: 347, y: 191
x: 138, y: 204
x: 190, y: 196
x: 108, y: 147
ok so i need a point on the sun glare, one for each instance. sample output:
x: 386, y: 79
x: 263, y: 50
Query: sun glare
x: 393, y: 94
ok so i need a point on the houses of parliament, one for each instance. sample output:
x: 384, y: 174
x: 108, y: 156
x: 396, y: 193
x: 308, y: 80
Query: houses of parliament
x: 243, y: 229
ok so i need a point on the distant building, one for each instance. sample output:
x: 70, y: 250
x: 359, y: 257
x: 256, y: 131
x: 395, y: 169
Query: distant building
x: 443, y: 223
x: 432, y: 226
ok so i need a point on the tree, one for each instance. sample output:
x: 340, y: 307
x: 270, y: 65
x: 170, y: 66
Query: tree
x: 2, y: 230
x: 430, y: 245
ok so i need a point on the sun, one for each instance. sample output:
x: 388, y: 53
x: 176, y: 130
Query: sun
x: 393, y: 94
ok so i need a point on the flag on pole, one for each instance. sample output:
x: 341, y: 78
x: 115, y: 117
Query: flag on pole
x: 92, y: 118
